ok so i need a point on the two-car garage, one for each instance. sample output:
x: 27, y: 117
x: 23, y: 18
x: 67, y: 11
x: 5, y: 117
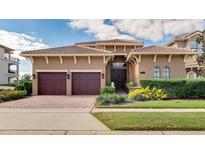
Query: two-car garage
x: 82, y: 83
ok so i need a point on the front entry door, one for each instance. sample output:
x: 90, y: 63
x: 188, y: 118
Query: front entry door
x: 119, y: 77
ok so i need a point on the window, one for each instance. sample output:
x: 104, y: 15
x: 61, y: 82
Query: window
x: 196, y: 46
x: 119, y: 65
x: 191, y: 75
x: 156, y: 72
x: 166, y: 72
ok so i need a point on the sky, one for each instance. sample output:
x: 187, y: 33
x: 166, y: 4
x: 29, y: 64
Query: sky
x: 23, y: 35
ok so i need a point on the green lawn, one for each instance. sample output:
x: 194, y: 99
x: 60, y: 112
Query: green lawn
x: 152, y: 120
x: 160, y: 104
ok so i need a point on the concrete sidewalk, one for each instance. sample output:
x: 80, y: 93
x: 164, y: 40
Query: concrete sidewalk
x: 145, y: 110
x: 97, y: 132
x: 77, y: 119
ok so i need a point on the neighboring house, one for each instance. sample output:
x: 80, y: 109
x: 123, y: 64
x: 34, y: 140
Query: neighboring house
x: 9, y: 66
x: 82, y: 69
x: 188, y: 40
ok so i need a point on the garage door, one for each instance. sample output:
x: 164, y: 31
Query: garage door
x: 86, y: 83
x: 51, y: 83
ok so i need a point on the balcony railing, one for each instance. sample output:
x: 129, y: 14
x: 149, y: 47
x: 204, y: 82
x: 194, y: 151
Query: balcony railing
x: 7, y: 57
x: 12, y: 71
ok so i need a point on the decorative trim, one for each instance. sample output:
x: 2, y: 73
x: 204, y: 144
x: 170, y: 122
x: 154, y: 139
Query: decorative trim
x: 32, y: 60
x: 50, y: 70
x: 140, y: 57
x: 155, y: 58
x: 114, y: 48
x: 61, y: 59
x: 185, y: 56
x: 47, y: 61
x: 169, y: 58
x: 104, y: 60
x: 75, y: 59
x: 86, y: 70
x: 89, y: 61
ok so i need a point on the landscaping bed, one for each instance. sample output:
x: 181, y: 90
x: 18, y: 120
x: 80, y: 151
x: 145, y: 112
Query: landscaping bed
x: 12, y: 95
x: 178, y: 103
x: 152, y: 120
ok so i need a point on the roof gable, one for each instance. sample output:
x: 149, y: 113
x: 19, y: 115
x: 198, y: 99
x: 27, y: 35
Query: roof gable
x: 111, y: 42
x: 67, y: 50
x: 183, y: 37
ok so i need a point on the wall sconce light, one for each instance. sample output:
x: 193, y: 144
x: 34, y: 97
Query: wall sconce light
x: 68, y: 76
x: 103, y: 75
x: 34, y: 76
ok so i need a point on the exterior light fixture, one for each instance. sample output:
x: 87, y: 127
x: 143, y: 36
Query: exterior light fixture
x: 103, y: 75
x: 34, y: 76
x: 68, y: 76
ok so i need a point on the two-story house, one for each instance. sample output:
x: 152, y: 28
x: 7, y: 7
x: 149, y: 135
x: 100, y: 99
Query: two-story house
x: 9, y: 66
x: 85, y: 67
x: 189, y: 41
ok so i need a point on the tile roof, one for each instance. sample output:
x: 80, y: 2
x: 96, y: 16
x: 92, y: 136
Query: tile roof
x: 113, y: 42
x: 67, y: 50
x: 162, y: 50
x: 191, y: 62
x: 6, y: 48
x: 183, y: 37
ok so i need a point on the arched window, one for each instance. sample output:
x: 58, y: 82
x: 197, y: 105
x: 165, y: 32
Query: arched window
x: 156, y: 72
x: 166, y: 72
x: 191, y: 75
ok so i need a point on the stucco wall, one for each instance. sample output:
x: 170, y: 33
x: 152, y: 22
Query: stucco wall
x: 68, y: 64
x: 3, y: 68
x: 177, y: 66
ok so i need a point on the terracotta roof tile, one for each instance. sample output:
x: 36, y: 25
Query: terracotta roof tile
x: 72, y: 50
x: 162, y: 50
x: 112, y: 41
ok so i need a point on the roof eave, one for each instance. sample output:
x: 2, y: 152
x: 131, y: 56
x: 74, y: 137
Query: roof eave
x: 63, y: 55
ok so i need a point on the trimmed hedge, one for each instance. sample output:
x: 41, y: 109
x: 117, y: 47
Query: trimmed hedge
x: 12, y: 95
x: 106, y: 99
x: 178, y: 88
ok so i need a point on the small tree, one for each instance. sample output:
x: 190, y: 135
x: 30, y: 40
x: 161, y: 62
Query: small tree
x: 26, y: 78
x: 201, y: 57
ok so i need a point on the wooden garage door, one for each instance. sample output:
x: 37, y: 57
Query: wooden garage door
x: 86, y: 83
x: 51, y: 83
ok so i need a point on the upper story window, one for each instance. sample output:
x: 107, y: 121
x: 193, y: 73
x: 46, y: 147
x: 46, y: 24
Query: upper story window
x: 156, y: 72
x: 166, y: 72
x: 119, y: 65
x: 196, y: 46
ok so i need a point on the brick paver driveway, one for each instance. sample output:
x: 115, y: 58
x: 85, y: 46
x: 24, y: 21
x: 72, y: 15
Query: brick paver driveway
x: 51, y: 102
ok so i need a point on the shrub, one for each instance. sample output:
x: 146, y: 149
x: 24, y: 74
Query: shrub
x: 25, y: 86
x: 20, y: 87
x: 128, y: 86
x: 147, y: 94
x: 107, y: 98
x: 178, y: 88
x: 107, y: 90
x: 12, y: 95
x: 28, y: 87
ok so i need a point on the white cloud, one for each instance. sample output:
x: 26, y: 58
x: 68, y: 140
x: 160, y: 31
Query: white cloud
x: 151, y: 30
x: 156, y: 30
x: 20, y: 42
x: 98, y: 28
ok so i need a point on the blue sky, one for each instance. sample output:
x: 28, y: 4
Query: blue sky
x: 33, y: 34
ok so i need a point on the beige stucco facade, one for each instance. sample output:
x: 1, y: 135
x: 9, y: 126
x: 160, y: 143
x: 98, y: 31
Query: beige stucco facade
x: 176, y: 66
x: 136, y: 62
x: 68, y: 66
